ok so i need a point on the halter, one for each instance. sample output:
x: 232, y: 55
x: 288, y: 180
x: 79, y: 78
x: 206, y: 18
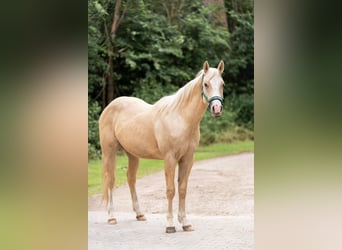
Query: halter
x: 209, y: 100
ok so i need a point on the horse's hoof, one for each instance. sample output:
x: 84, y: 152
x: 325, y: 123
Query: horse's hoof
x: 112, y: 221
x: 170, y: 230
x: 141, y: 217
x: 188, y: 228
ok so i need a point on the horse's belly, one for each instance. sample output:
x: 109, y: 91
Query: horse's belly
x: 141, y: 149
x: 138, y: 140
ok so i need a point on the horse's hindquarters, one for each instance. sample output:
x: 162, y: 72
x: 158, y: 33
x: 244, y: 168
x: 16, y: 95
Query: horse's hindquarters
x: 133, y: 128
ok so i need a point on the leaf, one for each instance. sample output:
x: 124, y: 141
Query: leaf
x: 99, y: 8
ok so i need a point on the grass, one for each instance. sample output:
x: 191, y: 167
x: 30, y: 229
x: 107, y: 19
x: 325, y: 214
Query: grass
x: 151, y: 166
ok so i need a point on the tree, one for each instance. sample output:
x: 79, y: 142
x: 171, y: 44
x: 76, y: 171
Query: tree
x: 104, y: 19
x: 119, y: 13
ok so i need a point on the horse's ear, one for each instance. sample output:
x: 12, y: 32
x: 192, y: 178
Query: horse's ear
x: 220, y: 67
x: 205, y: 67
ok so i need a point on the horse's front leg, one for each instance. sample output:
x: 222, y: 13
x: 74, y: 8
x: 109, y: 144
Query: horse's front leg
x: 185, y: 165
x: 170, y: 166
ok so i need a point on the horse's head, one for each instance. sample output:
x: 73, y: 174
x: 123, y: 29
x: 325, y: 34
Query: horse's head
x: 212, y: 88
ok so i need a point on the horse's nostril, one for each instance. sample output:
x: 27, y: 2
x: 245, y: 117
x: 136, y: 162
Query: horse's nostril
x: 216, y: 109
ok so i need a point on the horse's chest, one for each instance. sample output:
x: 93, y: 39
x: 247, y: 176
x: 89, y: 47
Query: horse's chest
x: 182, y: 141
x: 176, y: 136
x: 184, y: 137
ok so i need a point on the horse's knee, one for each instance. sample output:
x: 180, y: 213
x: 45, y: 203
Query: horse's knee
x: 182, y: 193
x: 170, y: 193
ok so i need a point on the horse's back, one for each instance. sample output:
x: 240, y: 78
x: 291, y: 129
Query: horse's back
x: 125, y: 105
x: 120, y: 109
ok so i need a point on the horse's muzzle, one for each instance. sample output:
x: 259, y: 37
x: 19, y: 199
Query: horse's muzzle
x: 216, y: 108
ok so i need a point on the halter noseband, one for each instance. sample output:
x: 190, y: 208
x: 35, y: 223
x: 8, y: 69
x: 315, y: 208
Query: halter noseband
x: 209, y: 100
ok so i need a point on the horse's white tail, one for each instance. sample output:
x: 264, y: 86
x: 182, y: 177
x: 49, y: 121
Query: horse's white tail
x: 109, y: 147
x: 108, y: 175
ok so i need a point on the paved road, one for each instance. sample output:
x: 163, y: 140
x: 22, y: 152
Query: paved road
x: 220, y: 207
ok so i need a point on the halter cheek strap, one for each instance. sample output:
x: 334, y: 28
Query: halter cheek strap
x: 209, y: 100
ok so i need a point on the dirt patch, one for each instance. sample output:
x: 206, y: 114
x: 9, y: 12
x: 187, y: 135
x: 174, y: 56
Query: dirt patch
x: 220, y: 204
x: 220, y: 186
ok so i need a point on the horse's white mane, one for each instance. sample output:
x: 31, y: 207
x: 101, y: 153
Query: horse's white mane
x: 172, y: 102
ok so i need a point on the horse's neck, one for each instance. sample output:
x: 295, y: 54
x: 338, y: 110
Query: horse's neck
x: 192, y: 107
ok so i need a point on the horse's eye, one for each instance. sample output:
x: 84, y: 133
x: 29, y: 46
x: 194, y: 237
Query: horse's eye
x: 206, y: 85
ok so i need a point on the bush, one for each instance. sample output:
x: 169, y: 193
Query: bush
x: 243, y: 106
x: 93, y: 130
x: 93, y: 153
x: 152, y: 91
x: 235, y: 124
x: 212, y: 128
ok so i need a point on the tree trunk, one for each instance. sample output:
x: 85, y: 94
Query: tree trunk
x: 111, y: 90
x: 230, y: 5
x: 219, y: 16
x: 110, y: 80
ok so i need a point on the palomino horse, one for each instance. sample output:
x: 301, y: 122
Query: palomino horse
x: 168, y: 130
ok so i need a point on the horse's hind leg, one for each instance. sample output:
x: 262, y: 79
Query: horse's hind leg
x: 109, y: 148
x: 133, y: 164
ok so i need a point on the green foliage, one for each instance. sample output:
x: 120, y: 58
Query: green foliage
x: 155, y: 53
x: 151, y: 91
x: 93, y: 130
x: 93, y: 153
x: 96, y: 49
x: 235, y: 124
x: 151, y: 51
x: 243, y: 106
x: 240, y: 66
x: 212, y: 128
